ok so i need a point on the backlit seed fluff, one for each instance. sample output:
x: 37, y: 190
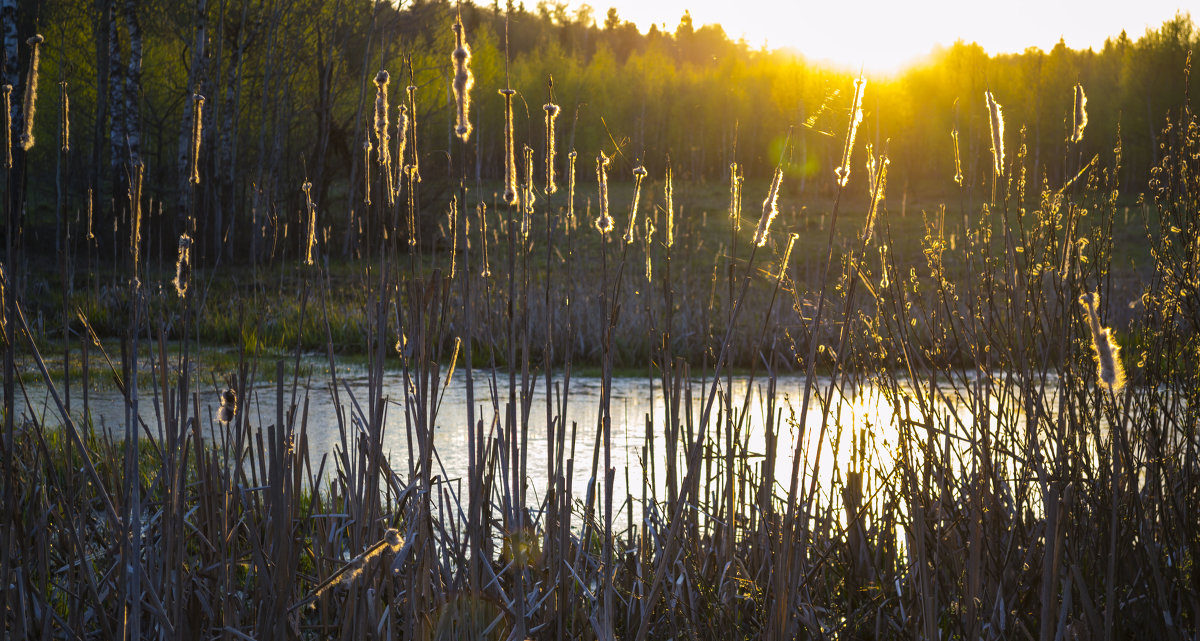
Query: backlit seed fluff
x: 311, y: 228
x: 6, y: 93
x: 413, y: 168
x: 382, y: 137
x: 31, y: 87
x: 65, y: 122
x: 958, y: 174
x: 551, y: 110
x: 197, y: 129
x: 463, y: 81
x: 1080, y: 114
x: 996, y: 126
x: 1105, y: 350
x: 510, y: 157
x: 366, y: 172
x: 571, y: 185
x: 770, y: 209
x: 604, y: 224
x: 856, y: 115
x: 669, y: 197
x: 183, y: 266
x: 639, y: 174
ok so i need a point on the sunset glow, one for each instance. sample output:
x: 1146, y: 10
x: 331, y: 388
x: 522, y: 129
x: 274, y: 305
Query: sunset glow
x: 884, y: 36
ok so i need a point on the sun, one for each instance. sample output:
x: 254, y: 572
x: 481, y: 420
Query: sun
x: 882, y: 37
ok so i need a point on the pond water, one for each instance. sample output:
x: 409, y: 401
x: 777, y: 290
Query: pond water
x: 638, y: 434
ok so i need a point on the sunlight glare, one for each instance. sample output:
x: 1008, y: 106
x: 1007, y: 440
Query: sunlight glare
x: 884, y: 36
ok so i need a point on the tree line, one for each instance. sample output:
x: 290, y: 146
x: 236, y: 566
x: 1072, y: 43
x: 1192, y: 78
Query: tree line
x: 288, y: 100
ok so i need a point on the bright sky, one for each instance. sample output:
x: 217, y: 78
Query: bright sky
x: 884, y: 35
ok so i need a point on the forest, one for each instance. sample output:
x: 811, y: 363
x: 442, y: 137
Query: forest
x: 288, y: 95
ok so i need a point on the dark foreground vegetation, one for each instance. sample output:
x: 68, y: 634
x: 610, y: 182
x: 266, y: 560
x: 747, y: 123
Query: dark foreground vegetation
x: 1043, y: 391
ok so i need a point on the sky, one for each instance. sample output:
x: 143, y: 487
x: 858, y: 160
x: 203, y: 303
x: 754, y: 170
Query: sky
x: 885, y: 35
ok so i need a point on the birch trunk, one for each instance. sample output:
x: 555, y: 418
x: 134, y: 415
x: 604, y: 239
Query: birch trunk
x: 133, y: 86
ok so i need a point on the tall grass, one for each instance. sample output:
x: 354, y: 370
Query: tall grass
x: 997, y: 486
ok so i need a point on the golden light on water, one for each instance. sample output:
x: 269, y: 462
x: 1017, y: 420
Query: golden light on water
x: 884, y: 36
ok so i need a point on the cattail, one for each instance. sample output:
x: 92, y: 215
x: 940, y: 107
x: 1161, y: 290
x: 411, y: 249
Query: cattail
x: 605, y: 222
x: 183, y: 265
x: 413, y: 168
x: 366, y: 172
x: 510, y: 156
x: 7, y: 99
x: 668, y: 196
x: 401, y: 148
x: 571, y: 187
x: 770, y: 210
x: 197, y: 128
x: 735, y: 196
x: 638, y: 174
x: 787, y: 255
x: 551, y: 110
x: 312, y: 222
x: 996, y: 123
x: 880, y: 182
x: 382, y: 137
x: 1080, y: 114
x: 65, y: 122
x: 1107, y: 353
x: 528, y: 197
x: 958, y: 175
x: 463, y: 80
x: 228, y: 406
x: 135, y: 212
x: 31, y: 87
x: 649, y: 241
x: 856, y: 115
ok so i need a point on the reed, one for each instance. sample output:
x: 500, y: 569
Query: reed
x: 928, y: 439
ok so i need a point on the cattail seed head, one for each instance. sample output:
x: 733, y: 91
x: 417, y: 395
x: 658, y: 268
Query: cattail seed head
x: 183, y: 266
x: 414, y: 168
x: 1105, y: 350
x: 65, y: 121
x: 135, y: 214
x: 996, y: 125
x: 669, y: 197
x: 879, y: 180
x: 197, y: 129
x: 366, y: 146
x: 463, y: 81
x: 856, y: 115
x: 382, y: 137
x: 787, y: 255
x: 649, y: 244
x: 735, y: 196
x: 571, y: 187
x: 958, y: 175
x: 551, y: 110
x: 228, y: 406
x: 311, y: 242
x: 604, y: 224
x: 31, y: 87
x: 639, y: 173
x: 770, y: 209
x: 527, y: 196
x: 510, y: 156
x: 1080, y: 114
x: 6, y: 93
